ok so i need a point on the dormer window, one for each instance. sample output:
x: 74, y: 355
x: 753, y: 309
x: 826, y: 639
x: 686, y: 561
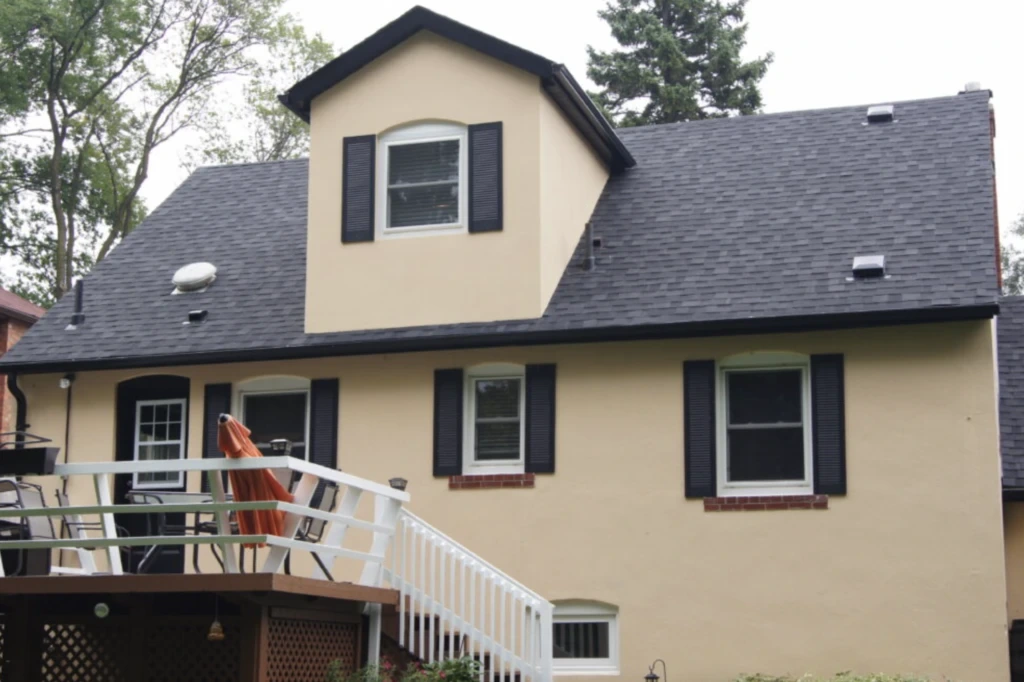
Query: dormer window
x: 422, y: 180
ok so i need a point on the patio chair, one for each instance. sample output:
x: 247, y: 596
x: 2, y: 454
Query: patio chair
x: 75, y: 527
x: 209, y: 527
x: 312, y: 530
x: 162, y: 528
x: 21, y: 495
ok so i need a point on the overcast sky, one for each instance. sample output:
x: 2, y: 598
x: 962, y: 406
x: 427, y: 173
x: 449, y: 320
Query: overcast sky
x: 827, y: 53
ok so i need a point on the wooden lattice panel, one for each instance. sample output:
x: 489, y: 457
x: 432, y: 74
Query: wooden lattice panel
x: 80, y: 653
x: 177, y: 651
x: 301, y: 650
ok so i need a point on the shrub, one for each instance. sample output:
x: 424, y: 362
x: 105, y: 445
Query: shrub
x: 453, y: 670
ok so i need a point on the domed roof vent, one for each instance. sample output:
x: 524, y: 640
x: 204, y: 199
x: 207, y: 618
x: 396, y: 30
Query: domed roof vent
x: 194, y: 277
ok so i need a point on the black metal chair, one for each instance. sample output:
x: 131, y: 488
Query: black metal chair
x: 209, y: 526
x: 312, y: 529
x: 75, y: 527
x: 22, y: 495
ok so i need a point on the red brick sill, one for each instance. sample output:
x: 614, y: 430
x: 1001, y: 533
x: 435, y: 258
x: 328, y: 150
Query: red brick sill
x: 765, y: 503
x: 491, y: 481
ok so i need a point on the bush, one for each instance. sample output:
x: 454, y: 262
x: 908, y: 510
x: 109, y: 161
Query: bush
x: 453, y: 670
x: 838, y: 677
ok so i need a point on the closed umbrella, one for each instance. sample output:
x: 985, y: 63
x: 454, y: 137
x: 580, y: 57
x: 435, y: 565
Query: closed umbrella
x: 251, y: 486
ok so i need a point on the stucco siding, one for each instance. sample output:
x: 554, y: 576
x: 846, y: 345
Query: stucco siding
x: 903, y: 574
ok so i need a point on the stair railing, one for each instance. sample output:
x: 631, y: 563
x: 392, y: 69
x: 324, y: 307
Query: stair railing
x: 454, y: 604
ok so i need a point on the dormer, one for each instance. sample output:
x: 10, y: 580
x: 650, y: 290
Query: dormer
x: 451, y: 175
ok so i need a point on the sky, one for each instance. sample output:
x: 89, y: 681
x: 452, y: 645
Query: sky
x: 827, y: 53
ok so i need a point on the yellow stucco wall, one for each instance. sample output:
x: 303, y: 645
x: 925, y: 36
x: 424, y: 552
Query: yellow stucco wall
x: 446, y: 278
x: 904, y: 574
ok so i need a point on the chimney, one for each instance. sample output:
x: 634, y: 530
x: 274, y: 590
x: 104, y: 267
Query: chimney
x: 589, y: 261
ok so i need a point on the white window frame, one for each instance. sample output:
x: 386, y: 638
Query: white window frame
x: 416, y: 134
x: 273, y: 385
x: 588, y: 612
x: 753, y: 362
x: 470, y: 465
x: 179, y: 480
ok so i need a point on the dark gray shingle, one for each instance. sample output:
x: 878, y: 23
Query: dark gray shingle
x: 1010, y: 329
x: 721, y: 221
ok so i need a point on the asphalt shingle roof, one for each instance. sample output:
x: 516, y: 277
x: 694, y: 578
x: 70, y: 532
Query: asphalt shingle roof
x: 721, y: 222
x: 1010, y: 331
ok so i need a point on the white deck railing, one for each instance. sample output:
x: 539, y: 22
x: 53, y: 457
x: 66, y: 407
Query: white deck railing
x: 387, y: 504
x: 454, y: 603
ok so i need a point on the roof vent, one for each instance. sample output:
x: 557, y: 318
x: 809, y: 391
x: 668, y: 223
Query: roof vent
x: 193, y: 277
x: 196, y: 317
x: 881, y: 113
x: 868, y: 267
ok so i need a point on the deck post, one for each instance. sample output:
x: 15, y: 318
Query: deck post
x: 102, y: 483
x: 373, y: 635
x: 336, y: 535
x: 223, y: 522
x: 303, y: 495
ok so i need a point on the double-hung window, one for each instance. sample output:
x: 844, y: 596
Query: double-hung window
x: 495, y: 404
x: 764, y: 429
x: 423, y: 179
x: 159, y: 435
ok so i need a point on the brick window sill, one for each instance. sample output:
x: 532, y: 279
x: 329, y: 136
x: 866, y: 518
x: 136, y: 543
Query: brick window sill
x: 765, y: 503
x: 474, y: 482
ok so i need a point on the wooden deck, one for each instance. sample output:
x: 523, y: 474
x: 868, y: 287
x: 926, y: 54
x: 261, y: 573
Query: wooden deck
x: 195, y: 583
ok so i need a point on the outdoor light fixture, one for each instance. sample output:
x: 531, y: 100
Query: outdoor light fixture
x: 101, y: 610
x: 281, y: 446
x: 652, y: 676
x: 398, y: 483
x: 216, y: 633
x: 66, y: 381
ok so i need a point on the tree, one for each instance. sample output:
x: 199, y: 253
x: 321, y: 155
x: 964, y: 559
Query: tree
x: 1012, y: 257
x: 88, y: 89
x: 680, y: 62
x: 264, y: 130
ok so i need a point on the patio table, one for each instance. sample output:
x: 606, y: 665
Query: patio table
x: 160, y: 497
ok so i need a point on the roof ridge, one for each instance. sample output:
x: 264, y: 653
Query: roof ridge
x: 211, y: 166
x: 794, y: 112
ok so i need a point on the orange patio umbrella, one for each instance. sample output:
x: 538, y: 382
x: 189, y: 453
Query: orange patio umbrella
x: 251, y: 486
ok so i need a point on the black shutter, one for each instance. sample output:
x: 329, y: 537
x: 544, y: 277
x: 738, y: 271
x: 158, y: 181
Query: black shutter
x: 540, y: 419
x: 358, y: 160
x: 448, y: 389
x: 485, y: 177
x: 323, y: 428
x: 828, y: 408
x: 699, y: 427
x: 216, y: 400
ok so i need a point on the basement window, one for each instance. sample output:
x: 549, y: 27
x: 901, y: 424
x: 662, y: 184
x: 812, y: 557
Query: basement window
x: 585, y: 639
x: 422, y: 180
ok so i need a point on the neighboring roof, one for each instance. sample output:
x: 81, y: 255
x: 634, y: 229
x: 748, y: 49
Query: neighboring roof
x: 724, y: 226
x: 12, y: 305
x: 570, y: 97
x: 1010, y: 331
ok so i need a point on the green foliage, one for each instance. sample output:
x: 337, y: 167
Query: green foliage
x: 1012, y: 257
x: 680, y: 61
x: 838, y: 677
x: 88, y: 90
x: 453, y: 670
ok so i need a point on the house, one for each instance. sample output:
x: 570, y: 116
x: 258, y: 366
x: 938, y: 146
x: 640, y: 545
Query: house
x: 722, y: 392
x: 16, y: 316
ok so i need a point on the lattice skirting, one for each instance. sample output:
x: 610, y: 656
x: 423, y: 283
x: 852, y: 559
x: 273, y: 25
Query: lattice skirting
x: 301, y: 650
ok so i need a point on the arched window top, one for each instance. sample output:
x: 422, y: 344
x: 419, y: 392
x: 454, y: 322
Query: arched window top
x: 418, y: 130
x: 273, y: 382
x: 765, y: 359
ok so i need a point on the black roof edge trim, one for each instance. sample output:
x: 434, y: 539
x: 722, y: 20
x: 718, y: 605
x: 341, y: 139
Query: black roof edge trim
x: 796, y: 323
x: 1013, y: 494
x: 588, y: 118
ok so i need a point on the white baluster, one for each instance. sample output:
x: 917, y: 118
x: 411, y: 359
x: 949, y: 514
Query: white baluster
x: 503, y: 595
x: 422, y: 591
x: 402, y: 591
x: 102, y: 484
x: 441, y: 599
x: 471, y: 615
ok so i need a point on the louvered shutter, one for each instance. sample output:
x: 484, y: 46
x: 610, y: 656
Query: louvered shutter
x: 358, y: 162
x: 448, y: 388
x: 323, y: 427
x: 828, y: 430
x: 216, y: 401
x: 540, y: 419
x: 485, y: 177
x: 699, y: 427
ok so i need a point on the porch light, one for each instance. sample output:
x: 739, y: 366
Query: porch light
x: 101, y: 610
x: 281, y: 446
x: 216, y: 633
x: 398, y: 483
x: 652, y: 676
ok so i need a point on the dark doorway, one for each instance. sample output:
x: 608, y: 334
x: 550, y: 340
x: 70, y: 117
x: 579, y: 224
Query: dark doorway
x: 152, y: 419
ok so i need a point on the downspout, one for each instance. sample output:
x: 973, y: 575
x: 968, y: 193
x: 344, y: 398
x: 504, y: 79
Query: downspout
x: 21, y: 414
x: 67, y: 429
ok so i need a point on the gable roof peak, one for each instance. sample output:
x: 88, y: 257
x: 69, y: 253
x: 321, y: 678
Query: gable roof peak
x: 555, y: 79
